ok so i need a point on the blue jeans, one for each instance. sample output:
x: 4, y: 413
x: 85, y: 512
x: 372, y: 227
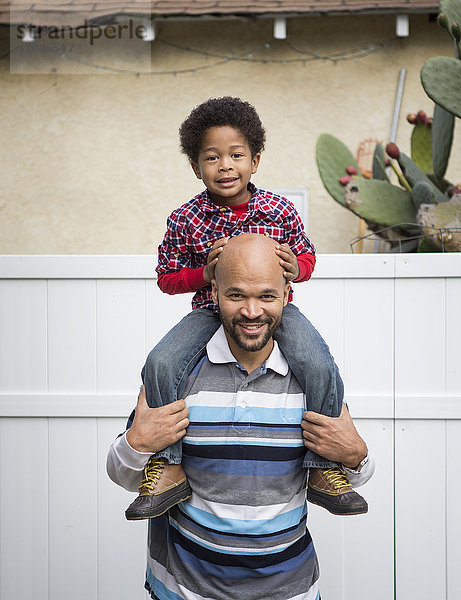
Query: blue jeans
x: 173, y: 358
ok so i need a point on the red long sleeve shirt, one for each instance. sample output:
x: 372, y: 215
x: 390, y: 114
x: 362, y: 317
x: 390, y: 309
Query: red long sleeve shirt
x: 194, y: 227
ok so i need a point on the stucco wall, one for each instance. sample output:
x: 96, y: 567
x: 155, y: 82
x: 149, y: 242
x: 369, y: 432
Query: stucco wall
x: 90, y: 163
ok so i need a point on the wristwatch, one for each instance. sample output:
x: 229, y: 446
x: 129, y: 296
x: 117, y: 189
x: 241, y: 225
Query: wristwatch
x: 359, y: 468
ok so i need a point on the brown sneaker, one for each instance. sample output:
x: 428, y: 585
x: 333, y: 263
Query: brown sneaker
x: 162, y: 487
x: 330, y: 488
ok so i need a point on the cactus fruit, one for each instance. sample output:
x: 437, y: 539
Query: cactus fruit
x: 421, y: 145
x: 350, y: 170
x: 393, y: 150
x: 441, y: 79
x: 332, y: 159
x: 442, y: 138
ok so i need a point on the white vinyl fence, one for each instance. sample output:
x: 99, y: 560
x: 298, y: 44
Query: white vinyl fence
x: 74, y: 332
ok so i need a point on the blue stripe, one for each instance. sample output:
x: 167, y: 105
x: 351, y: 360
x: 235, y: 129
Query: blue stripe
x: 227, y: 572
x: 244, y: 442
x: 228, y: 549
x: 248, y: 526
x: 158, y: 588
x: 253, y: 468
x: 220, y: 414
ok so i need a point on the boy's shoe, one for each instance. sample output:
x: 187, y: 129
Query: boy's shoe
x: 162, y: 487
x: 330, y: 488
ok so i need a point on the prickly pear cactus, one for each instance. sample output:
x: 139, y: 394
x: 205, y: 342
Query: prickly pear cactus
x: 414, y: 175
x: 422, y: 193
x: 441, y: 79
x: 442, y: 139
x: 333, y: 157
x: 421, y: 147
x: 379, y: 164
x: 450, y: 19
x: 379, y: 202
x: 445, y: 217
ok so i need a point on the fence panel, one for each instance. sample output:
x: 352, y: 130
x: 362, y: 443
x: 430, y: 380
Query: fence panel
x: 74, y: 335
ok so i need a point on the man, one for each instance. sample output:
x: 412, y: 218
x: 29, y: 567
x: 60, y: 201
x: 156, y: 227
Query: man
x: 242, y: 534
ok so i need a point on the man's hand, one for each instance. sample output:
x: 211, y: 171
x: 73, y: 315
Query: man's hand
x: 336, y: 439
x: 212, y: 260
x: 288, y: 261
x: 155, y: 429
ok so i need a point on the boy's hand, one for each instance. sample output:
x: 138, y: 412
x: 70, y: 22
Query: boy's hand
x: 288, y: 261
x: 155, y: 429
x: 216, y: 249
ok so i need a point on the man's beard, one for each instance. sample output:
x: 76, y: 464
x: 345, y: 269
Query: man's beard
x: 244, y: 342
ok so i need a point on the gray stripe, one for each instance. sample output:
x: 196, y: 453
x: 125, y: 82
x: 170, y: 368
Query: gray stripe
x: 281, y: 586
x: 236, y: 542
x: 246, y: 490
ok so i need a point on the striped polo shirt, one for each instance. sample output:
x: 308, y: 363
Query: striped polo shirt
x: 242, y: 535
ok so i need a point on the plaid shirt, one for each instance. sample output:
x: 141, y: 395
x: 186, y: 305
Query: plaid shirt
x: 193, y: 228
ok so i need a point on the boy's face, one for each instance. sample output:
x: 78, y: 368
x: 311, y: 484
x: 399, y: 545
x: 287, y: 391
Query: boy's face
x: 225, y: 165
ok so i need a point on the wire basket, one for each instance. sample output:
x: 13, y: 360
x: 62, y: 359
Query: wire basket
x: 405, y: 237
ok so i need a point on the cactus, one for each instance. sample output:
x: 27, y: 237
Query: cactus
x: 442, y: 139
x: 414, y: 175
x: 422, y: 193
x: 421, y: 146
x: 441, y: 79
x: 333, y: 157
x: 379, y: 202
x: 379, y: 164
x: 446, y: 215
x: 450, y: 19
x: 427, y: 202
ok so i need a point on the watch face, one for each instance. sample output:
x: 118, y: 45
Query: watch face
x: 362, y: 464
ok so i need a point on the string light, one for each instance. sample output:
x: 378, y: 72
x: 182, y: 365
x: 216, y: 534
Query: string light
x: 247, y: 57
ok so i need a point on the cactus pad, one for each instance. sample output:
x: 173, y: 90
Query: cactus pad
x: 441, y: 79
x: 422, y: 193
x: 414, y: 175
x: 379, y: 202
x: 379, y: 163
x: 442, y: 139
x: 421, y: 147
x: 332, y: 159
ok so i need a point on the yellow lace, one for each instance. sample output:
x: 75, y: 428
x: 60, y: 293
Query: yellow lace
x: 337, y: 478
x: 152, y: 472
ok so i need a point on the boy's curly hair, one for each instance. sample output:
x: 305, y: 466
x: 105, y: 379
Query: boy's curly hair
x: 219, y: 112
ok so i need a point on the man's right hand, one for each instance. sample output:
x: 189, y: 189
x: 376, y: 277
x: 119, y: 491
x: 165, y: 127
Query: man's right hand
x: 155, y: 429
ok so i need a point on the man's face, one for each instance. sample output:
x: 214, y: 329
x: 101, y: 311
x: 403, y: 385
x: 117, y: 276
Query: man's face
x: 251, y: 303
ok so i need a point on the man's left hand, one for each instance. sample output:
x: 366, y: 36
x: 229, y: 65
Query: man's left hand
x: 334, y: 438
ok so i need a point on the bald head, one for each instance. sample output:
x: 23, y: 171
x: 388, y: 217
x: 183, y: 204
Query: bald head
x: 251, y: 251
x: 251, y: 292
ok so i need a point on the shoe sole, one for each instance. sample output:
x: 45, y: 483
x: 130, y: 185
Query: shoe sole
x: 182, y: 493
x: 319, y: 500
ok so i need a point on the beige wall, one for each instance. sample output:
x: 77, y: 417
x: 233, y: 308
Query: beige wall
x: 90, y: 163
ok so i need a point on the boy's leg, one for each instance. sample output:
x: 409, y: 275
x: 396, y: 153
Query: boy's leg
x: 171, y: 361
x: 313, y: 366
x: 310, y: 361
x: 165, y: 375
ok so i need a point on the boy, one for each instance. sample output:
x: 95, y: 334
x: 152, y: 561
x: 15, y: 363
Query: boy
x: 223, y: 139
